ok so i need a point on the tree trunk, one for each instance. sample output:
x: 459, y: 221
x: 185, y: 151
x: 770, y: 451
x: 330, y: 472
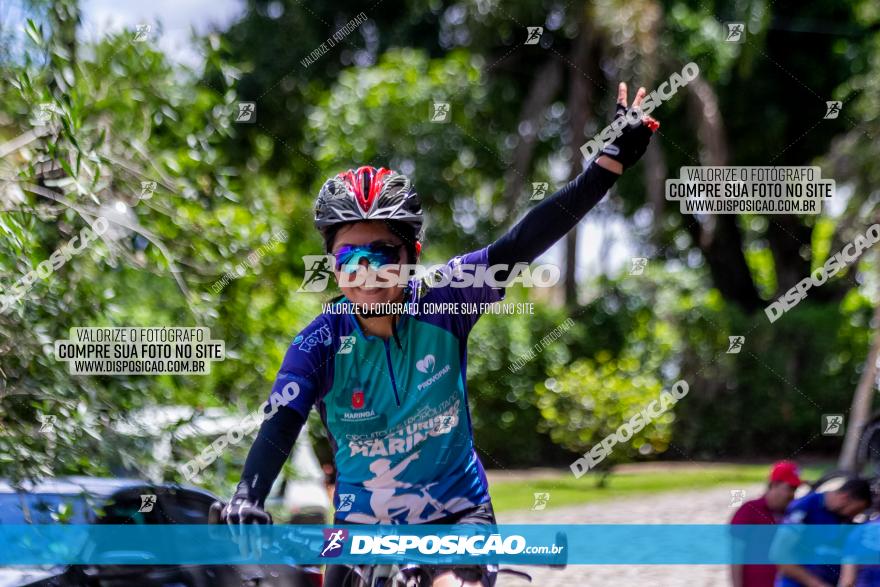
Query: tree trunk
x: 786, y: 236
x: 655, y: 187
x: 544, y: 88
x: 579, y: 99
x: 860, y: 411
x: 719, y: 237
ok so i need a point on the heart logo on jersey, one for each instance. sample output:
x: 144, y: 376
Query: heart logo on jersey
x: 426, y: 365
x: 357, y: 399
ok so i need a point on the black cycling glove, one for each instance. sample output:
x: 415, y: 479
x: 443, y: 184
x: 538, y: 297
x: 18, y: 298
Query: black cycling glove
x: 243, y: 517
x: 632, y: 141
x: 241, y: 509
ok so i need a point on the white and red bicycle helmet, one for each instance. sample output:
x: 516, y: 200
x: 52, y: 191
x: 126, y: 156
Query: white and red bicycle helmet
x: 368, y: 193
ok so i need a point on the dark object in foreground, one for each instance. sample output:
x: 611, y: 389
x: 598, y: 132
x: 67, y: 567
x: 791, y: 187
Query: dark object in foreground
x: 87, y: 500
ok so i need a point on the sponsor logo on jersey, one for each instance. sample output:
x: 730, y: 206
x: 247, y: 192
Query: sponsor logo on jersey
x: 434, y: 378
x: 319, y: 336
x: 426, y: 364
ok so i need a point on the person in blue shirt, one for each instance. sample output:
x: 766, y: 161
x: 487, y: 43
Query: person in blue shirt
x: 832, y: 508
x: 864, y: 543
x: 391, y: 387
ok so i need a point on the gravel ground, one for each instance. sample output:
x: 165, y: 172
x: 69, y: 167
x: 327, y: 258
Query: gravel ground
x: 707, y: 506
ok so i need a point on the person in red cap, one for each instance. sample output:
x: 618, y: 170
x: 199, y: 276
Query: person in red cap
x: 767, y: 509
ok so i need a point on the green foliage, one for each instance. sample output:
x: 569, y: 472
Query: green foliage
x: 583, y: 401
x: 365, y: 117
x: 588, y: 401
x: 770, y: 394
x: 120, y: 116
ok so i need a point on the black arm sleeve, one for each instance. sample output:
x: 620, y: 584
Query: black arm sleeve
x: 551, y: 220
x: 269, y: 453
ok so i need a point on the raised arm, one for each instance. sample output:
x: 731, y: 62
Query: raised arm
x: 551, y: 220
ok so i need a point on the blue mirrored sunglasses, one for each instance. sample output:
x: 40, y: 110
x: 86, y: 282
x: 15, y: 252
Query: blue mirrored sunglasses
x: 377, y: 254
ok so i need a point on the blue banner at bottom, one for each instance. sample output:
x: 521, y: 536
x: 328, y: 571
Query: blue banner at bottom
x: 435, y: 544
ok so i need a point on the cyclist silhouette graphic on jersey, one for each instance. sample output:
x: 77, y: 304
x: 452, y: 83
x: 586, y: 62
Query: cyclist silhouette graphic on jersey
x: 388, y: 507
x: 384, y: 485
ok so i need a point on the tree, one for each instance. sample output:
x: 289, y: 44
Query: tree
x: 861, y: 403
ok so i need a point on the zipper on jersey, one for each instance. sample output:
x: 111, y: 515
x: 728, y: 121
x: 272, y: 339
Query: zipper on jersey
x: 391, y: 371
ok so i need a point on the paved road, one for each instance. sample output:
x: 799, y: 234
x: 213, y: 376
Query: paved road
x: 706, y: 506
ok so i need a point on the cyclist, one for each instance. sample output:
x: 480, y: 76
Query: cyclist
x: 394, y: 401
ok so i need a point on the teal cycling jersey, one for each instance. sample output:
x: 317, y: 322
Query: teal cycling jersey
x: 396, y: 410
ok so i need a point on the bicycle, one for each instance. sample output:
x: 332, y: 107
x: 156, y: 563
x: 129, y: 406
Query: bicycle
x: 398, y: 574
